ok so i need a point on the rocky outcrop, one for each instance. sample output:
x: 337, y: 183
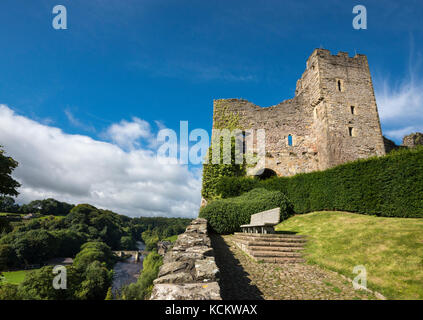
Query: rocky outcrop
x: 189, y: 270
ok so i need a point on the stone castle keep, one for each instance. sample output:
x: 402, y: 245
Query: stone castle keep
x: 332, y: 119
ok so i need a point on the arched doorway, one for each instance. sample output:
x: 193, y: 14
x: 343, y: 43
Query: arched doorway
x: 265, y: 173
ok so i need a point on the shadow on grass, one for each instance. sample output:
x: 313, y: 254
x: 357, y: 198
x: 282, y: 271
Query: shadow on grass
x: 285, y: 232
x: 234, y: 282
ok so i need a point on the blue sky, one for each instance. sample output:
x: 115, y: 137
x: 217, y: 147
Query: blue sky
x: 154, y: 63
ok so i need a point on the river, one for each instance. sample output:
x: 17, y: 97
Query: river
x: 128, y: 271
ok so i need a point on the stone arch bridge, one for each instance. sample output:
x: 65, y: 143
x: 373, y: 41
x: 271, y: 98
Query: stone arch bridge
x: 135, y: 253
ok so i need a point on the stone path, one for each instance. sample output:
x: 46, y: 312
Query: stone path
x: 245, y: 279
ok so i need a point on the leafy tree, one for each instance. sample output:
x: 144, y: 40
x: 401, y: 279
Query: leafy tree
x: 47, y: 207
x: 69, y: 242
x: 7, y: 204
x: 9, y: 292
x: 8, y: 258
x: 127, y: 243
x: 92, y: 251
x: 97, y: 280
x: 38, y: 285
x: 8, y: 185
x: 35, y: 246
x: 5, y: 226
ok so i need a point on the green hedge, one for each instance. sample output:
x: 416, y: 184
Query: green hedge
x: 226, y: 215
x: 390, y: 186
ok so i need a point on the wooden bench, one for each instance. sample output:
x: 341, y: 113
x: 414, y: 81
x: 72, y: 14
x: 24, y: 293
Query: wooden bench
x: 262, y: 222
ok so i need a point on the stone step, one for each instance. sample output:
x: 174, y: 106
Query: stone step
x: 277, y: 249
x: 270, y: 235
x: 281, y: 260
x: 270, y: 244
x: 273, y: 240
x: 275, y: 254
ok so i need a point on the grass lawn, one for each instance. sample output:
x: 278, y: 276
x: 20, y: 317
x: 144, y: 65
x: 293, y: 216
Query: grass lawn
x: 14, y: 277
x: 9, y: 214
x: 391, y: 249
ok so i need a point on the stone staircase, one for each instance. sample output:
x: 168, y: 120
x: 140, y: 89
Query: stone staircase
x: 273, y: 248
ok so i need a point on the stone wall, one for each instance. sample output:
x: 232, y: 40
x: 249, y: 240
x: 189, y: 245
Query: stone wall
x: 413, y: 140
x: 332, y: 119
x: 189, y: 270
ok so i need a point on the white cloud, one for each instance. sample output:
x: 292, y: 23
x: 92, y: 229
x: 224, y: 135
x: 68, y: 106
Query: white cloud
x: 127, y: 134
x: 79, y: 169
x: 400, y: 106
x: 74, y: 121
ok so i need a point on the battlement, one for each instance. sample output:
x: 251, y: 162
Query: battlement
x: 340, y: 56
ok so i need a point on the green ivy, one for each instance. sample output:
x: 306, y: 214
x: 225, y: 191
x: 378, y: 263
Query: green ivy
x: 223, y: 118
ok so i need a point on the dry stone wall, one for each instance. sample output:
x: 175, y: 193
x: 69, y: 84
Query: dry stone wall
x: 189, y: 270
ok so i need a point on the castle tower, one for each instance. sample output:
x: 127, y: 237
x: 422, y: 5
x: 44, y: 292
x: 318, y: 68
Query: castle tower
x: 346, y: 118
x: 332, y: 119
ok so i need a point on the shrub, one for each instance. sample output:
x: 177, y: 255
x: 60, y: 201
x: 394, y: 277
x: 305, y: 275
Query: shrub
x: 390, y: 186
x: 92, y: 251
x: 226, y: 215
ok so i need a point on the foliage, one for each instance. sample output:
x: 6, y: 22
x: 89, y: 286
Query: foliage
x: 150, y: 238
x: 171, y: 238
x: 5, y: 226
x: 97, y: 280
x: 94, y: 251
x: 153, y: 230
x: 7, y: 204
x: 391, y: 249
x: 109, y: 295
x: 8, y: 258
x: 47, y: 207
x: 142, y: 288
x: 226, y: 215
x: 389, y: 186
x: 212, y: 172
x: 38, y: 285
x: 9, y: 292
x: 128, y: 243
x: 88, y: 278
x: 99, y: 224
x: 8, y: 185
x: 35, y: 246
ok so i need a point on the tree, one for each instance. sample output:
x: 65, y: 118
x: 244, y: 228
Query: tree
x: 35, y: 246
x: 8, y: 258
x: 109, y: 295
x: 8, y: 185
x: 7, y: 204
x: 5, y: 226
x: 97, y: 280
x: 37, y: 285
